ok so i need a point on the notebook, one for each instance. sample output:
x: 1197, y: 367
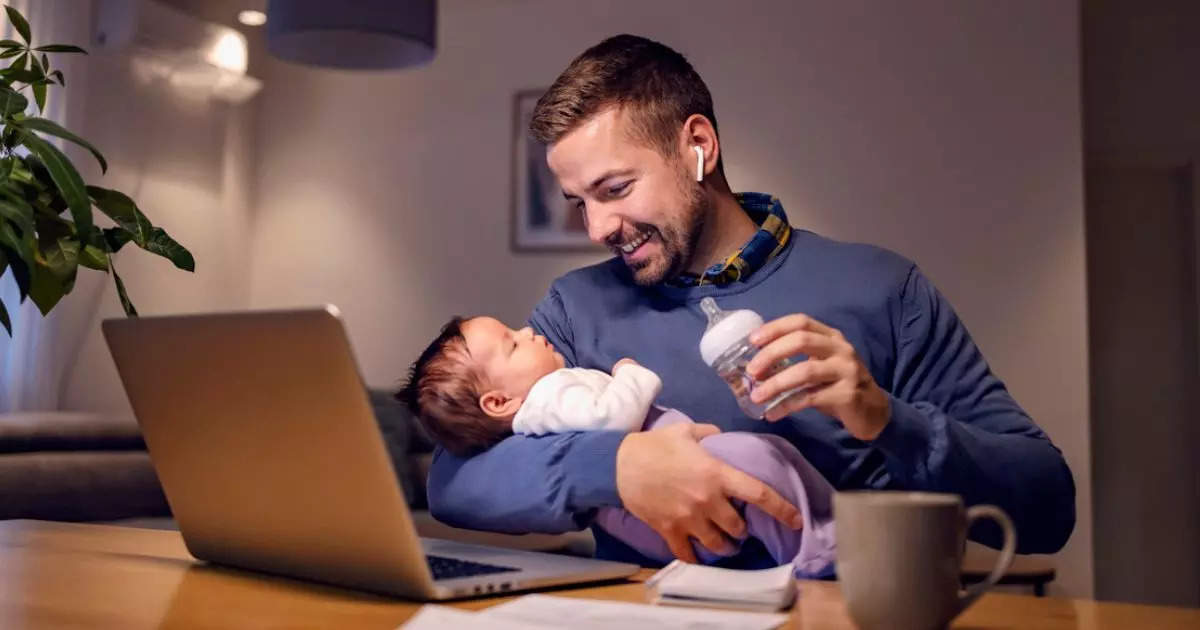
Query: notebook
x: 684, y: 584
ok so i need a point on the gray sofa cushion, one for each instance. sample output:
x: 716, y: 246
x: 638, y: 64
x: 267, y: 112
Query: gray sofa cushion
x: 30, y: 431
x: 403, y: 440
x: 79, y: 485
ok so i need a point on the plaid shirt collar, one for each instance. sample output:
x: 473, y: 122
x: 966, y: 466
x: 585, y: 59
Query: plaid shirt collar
x: 773, y: 234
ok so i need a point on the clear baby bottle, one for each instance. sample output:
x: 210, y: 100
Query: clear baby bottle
x: 726, y: 348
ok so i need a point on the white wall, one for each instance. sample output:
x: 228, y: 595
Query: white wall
x: 186, y: 161
x: 949, y: 131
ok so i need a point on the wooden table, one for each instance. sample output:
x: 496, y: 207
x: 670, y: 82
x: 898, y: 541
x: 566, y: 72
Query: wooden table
x: 63, y: 575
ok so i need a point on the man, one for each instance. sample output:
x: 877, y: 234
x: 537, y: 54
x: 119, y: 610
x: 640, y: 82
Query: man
x: 896, y: 395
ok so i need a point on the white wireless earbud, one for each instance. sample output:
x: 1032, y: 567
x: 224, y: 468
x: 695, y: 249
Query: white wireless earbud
x: 699, y: 163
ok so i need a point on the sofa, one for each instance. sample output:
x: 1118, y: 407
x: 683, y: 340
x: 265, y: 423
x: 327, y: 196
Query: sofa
x: 75, y: 466
x: 94, y: 467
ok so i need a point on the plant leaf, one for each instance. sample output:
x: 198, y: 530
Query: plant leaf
x: 52, y: 128
x: 37, y: 65
x: 4, y: 319
x: 45, y: 63
x: 45, y: 289
x: 11, y: 43
x: 163, y: 245
x: 19, y: 214
x: 49, y: 230
x: 19, y: 270
x: 21, y: 62
x: 126, y: 304
x: 29, y: 169
x: 56, y: 267
x: 121, y: 209
x: 9, y: 137
x: 62, y: 258
x: 11, y: 102
x: 57, y: 74
x: 57, y: 48
x: 19, y: 22
x: 94, y: 257
x: 24, y: 76
x: 116, y: 238
x: 39, y: 95
x: 21, y: 245
x: 11, y: 52
x: 69, y: 183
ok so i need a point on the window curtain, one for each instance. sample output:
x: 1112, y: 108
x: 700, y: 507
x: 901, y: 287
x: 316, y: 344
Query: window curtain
x: 34, y: 362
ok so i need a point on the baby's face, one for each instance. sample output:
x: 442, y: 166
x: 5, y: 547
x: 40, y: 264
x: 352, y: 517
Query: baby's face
x: 513, y: 360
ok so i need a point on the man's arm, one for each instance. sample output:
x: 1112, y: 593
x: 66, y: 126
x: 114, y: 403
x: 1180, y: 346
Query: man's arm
x: 547, y: 484
x: 948, y: 424
x: 955, y: 428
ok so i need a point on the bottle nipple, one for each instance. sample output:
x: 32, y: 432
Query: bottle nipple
x: 714, y: 312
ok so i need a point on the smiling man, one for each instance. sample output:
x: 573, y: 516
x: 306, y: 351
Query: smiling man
x: 896, y: 395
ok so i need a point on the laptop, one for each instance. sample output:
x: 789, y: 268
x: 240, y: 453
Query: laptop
x: 262, y: 434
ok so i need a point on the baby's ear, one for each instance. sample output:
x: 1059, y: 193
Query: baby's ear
x: 497, y: 404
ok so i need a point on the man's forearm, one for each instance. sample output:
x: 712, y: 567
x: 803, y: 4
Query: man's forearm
x: 1022, y: 472
x: 548, y: 484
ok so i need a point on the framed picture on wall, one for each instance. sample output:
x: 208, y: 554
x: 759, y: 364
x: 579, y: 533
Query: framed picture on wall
x: 542, y: 220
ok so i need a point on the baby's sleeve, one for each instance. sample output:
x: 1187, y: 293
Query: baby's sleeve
x: 621, y: 405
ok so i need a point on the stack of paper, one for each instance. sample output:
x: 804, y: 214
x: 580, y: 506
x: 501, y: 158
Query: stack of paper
x: 534, y: 612
x: 686, y: 584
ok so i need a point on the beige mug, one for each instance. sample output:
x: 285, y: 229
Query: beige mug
x: 899, y: 555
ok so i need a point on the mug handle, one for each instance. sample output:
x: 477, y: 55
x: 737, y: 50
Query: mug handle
x: 974, y: 513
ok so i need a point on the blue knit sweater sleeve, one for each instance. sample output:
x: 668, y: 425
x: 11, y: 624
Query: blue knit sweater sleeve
x: 955, y: 428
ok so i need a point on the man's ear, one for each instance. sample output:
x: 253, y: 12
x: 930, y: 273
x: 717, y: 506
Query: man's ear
x: 698, y: 131
x: 497, y: 404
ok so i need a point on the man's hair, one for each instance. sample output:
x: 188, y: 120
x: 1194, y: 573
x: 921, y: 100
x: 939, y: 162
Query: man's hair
x: 655, y: 84
x: 443, y: 390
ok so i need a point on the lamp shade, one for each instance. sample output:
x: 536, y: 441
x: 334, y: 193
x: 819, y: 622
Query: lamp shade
x: 362, y: 34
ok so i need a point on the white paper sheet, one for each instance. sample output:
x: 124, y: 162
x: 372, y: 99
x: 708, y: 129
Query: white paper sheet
x: 432, y: 617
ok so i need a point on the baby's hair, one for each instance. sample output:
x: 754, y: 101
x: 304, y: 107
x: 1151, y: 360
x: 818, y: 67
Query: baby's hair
x: 443, y: 390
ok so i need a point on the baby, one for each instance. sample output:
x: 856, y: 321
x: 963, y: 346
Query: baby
x: 480, y: 381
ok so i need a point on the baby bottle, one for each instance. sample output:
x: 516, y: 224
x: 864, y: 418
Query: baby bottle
x: 726, y: 348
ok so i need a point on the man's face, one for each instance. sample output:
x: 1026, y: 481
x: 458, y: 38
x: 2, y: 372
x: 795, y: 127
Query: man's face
x: 643, y: 206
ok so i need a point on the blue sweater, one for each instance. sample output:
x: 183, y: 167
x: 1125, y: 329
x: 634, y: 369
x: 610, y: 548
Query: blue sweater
x: 954, y: 427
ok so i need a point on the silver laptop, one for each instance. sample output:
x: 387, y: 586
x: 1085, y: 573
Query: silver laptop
x: 260, y: 429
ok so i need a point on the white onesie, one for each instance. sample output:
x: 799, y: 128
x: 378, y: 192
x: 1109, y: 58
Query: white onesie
x: 579, y: 399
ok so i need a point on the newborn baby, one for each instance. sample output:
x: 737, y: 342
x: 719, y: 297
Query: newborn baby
x: 480, y: 381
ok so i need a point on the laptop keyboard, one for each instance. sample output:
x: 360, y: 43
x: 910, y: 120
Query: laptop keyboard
x: 448, y: 568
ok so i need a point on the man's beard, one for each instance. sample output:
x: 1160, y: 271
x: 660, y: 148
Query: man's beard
x: 678, y: 240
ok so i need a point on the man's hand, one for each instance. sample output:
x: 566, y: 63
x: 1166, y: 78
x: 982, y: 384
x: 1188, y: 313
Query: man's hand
x: 670, y: 482
x: 625, y: 361
x: 834, y: 379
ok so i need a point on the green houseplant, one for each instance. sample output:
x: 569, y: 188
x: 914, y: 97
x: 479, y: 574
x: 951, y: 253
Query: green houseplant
x: 47, y: 229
